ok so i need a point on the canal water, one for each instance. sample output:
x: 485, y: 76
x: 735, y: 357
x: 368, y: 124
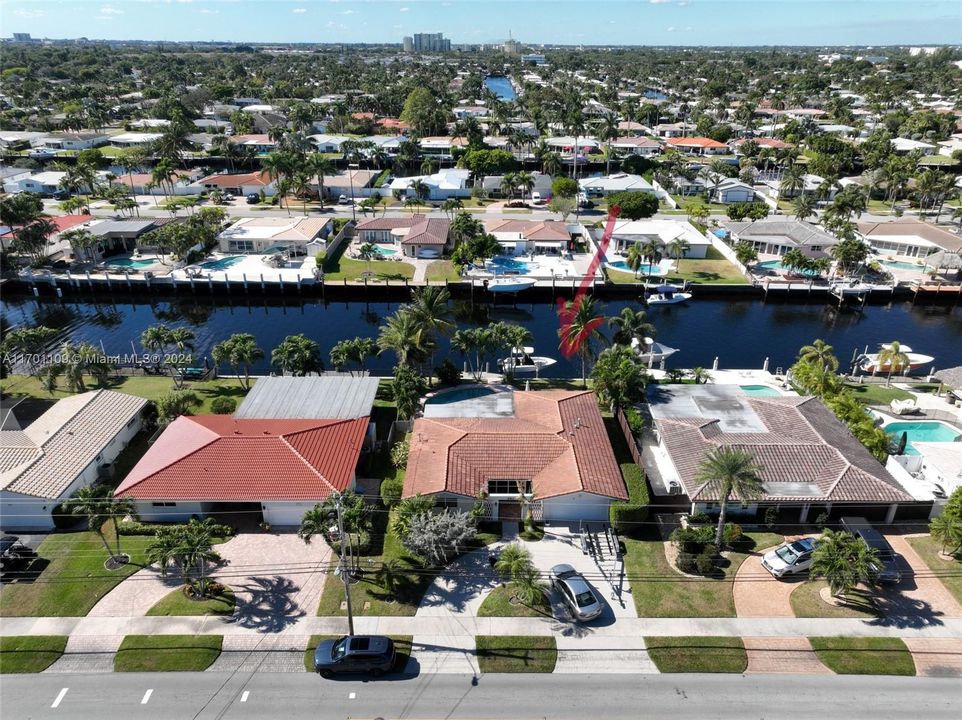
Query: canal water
x: 500, y: 86
x: 741, y: 333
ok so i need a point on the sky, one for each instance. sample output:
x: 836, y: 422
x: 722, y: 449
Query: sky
x: 572, y: 22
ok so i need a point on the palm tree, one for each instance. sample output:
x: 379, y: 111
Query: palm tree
x: 297, y: 354
x: 893, y: 356
x: 508, y: 185
x: 164, y: 548
x: 947, y: 529
x: 512, y: 559
x: 677, y: 249
x: 422, y: 191
x: 843, y: 560
x: 368, y: 252
x: 551, y: 164
x: 631, y: 325
x: 429, y: 306
x: 580, y: 330
x: 651, y: 251
x: 793, y: 181
x: 91, y: 502
x: 729, y: 471
x: 803, y: 207
x: 819, y: 354
x: 316, y: 521
x: 634, y: 258
x: 401, y: 334
x: 240, y: 351
x: 524, y: 181
x: 197, y: 547
x: 608, y: 132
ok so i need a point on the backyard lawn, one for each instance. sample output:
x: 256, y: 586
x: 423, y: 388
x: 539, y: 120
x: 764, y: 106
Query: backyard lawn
x: 516, y: 653
x: 402, y: 648
x: 949, y: 571
x: 498, y: 604
x: 807, y: 602
x: 864, y: 656
x: 877, y: 393
x: 697, y: 654
x: 441, y: 270
x: 661, y: 591
x: 713, y: 270
x: 354, y: 270
x: 167, y: 653
x: 176, y: 603
x: 30, y: 653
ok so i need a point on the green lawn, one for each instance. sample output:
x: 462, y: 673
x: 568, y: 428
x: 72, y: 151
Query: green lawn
x: 697, y: 654
x: 30, y: 653
x: 498, y: 604
x: 864, y: 656
x: 149, y: 387
x: 877, y: 394
x: 713, y: 270
x: 68, y: 577
x: 441, y: 270
x: 516, y: 653
x: 167, y: 653
x: 807, y: 602
x: 176, y: 603
x: 660, y: 591
x: 402, y: 647
x: 353, y: 270
x: 949, y: 571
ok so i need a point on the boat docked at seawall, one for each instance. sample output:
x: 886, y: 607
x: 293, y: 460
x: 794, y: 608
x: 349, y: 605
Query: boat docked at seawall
x: 509, y: 284
x: 869, y: 362
x: 523, y: 360
x: 652, y: 352
x: 667, y: 295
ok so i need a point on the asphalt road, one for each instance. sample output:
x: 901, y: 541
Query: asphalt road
x: 203, y: 696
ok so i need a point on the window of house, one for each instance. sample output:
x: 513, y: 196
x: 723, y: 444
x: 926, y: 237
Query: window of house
x: 509, y: 487
x: 164, y: 504
x: 446, y: 503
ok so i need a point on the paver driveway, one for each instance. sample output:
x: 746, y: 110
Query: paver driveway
x: 782, y: 655
x: 936, y: 657
x: 921, y: 598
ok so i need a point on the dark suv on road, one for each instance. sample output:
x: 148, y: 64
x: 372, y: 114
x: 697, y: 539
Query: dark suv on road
x: 373, y: 654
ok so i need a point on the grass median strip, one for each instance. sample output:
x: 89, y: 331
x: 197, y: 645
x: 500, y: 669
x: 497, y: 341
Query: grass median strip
x: 402, y: 647
x: 516, y: 653
x: 864, y: 655
x: 167, y: 653
x: 30, y: 653
x: 697, y: 654
x: 498, y: 603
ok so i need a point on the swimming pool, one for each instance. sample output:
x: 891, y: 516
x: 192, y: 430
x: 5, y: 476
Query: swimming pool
x: 386, y: 251
x: 458, y: 394
x: 777, y: 266
x: 759, y: 391
x: 643, y: 269
x: 900, y: 265
x: 503, y: 264
x: 929, y: 431
x: 222, y: 263
x: 130, y: 264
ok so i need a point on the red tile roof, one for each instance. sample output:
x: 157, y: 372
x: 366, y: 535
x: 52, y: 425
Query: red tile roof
x: 694, y: 142
x: 238, y: 179
x: 774, y: 143
x: 556, y: 439
x: 390, y: 223
x: 62, y: 223
x: 530, y: 229
x: 431, y: 231
x: 218, y: 458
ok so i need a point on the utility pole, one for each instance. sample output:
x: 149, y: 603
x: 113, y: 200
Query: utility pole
x: 351, y: 167
x: 342, y: 568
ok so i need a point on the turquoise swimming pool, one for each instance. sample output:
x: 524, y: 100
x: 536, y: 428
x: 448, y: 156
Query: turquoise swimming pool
x: 759, y: 391
x: 899, y: 265
x: 643, y: 269
x: 777, y: 266
x: 222, y: 263
x: 459, y: 394
x: 928, y: 431
x: 129, y: 263
x: 384, y: 250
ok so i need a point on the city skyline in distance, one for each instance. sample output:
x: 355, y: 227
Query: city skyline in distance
x: 472, y: 22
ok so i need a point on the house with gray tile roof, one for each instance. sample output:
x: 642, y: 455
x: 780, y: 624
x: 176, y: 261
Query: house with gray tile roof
x: 810, y: 461
x: 70, y: 446
x: 776, y: 237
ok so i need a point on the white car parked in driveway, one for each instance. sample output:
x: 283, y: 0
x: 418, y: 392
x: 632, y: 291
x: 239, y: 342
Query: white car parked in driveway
x: 790, y: 558
x: 578, y: 596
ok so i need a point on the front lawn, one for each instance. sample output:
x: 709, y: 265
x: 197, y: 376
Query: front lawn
x: 697, y: 654
x: 498, y: 604
x: 948, y: 571
x: 661, y: 591
x: 177, y: 603
x: 441, y: 270
x: 864, y: 656
x: 877, y: 394
x: 402, y: 647
x: 807, y: 602
x: 68, y: 576
x: 516, y: 653
x: 353, y: 270
x: 167, y: 653
x: 30, y: 653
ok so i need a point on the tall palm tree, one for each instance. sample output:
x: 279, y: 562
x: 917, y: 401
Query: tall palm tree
x: 631, y: 325
x: 429, y: 307
x: 843, y: 560
x: 677, y: 249
x: 240, y: 351
x: 895, y: 358
x: 793, y: 181
x: 525, y: 181
x: 819, y: 354
x: 581, y: 322
x: 197, y: 548
x: 508, y: 185
x: 803, y: 207
x: 607, y: 132
x: 401, y: 334
x: 651, y: 250
x: 634, y: 258
x: 316, y: 521
x: 729, y: 471
x: 947, y: 529
x: 91, y: 502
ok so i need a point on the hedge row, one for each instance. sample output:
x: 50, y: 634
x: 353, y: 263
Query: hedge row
x: 626, y: 517
x: 132, y: 527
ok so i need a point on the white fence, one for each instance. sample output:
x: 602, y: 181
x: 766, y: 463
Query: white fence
x: 663, y: 194
x: 727, y: 251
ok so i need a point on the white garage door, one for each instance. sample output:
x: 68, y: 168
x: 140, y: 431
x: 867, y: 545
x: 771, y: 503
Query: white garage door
x: 576, y: 507
x: 284, y: 514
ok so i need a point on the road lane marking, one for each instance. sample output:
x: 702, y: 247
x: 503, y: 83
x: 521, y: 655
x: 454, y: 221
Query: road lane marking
x: 245, y: 695
x: 147, y: 697
x: 56, y: 703
x: 351, y: 696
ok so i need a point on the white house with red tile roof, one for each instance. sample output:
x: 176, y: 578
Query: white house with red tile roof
x: 265, y: 234
x: 519, y: 237
x: 636, y: 146
x: 259, y: 143
x: 697, y: 145
x: 761, y: 142
x: 553, y: 445
x: 240, y: 183
x: 413, y: 234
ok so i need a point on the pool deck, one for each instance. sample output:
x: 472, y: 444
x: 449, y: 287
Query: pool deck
x: 253, y: 268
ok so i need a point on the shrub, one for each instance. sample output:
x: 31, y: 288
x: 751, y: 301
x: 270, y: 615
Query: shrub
x: 699, y: 518
x: 771, y: 517
x: 627, y: 517
x: 223, y: 405
x: 733, y: 533
x: 635, y: 423
x: 400, y: 452
x: 391, y: 489
x: 693, y: 540
x: 448, y: 373
x: 686, y: 562
x: 62, y: 518
x: 133, y: 527
x: 705, y: 563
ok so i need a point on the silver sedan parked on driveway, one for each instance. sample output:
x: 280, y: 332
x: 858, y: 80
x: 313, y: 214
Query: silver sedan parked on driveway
x: 578, y: 596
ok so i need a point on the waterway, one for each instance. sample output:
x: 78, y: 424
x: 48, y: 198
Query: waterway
x: 741, y: 333
x: 500, y: 86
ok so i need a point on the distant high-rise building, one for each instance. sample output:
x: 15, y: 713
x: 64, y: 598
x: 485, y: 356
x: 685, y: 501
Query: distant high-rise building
x: 22, y: 37
x: 511, y: 46
x: 408, y: 43
x: 431, y: 42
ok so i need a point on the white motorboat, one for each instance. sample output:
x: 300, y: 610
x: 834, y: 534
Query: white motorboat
x: 509, y: 284
x: 869, y: 362
x: 652, y: 352
x: 523, y: 359
x: 667, y: 295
